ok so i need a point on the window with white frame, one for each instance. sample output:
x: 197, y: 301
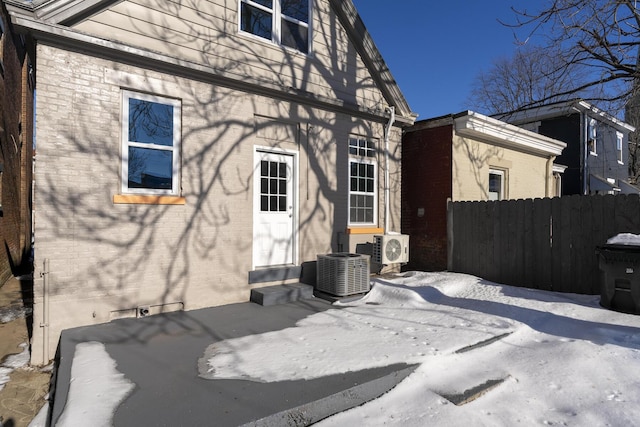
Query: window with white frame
x: 592, y: 137
x: 363, y: 205
x: 151, y: 144
x: 619, y: 138
x: 496, y: 184
x: 285, y: 22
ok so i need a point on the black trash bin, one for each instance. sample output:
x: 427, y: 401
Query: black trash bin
x: 620, y: 277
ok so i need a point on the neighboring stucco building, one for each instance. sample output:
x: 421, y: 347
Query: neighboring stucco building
x: 16, y: 150
x: 465, y: 157
x: 188, y: 155
x: 597, y: 153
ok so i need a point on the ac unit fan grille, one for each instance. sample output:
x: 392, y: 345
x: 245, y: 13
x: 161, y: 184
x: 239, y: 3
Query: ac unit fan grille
x: 391, y: 249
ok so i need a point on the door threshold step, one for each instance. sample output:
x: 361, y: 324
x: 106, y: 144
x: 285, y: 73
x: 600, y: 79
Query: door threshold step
x: 281, y: 294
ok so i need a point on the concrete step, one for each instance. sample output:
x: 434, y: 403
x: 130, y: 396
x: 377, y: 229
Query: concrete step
x: 313, y: 412
x: 281, y: 294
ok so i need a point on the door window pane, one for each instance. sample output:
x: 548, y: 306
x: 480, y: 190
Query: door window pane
x: 273, y: 186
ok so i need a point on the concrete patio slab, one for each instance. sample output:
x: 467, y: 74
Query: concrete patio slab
x: 160, y: 354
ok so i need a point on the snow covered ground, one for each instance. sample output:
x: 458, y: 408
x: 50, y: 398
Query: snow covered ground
x: 523, y: 356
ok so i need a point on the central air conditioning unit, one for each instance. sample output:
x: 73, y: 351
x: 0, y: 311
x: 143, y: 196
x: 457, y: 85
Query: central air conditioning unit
x: 343, y: 274
x: 391, y: 249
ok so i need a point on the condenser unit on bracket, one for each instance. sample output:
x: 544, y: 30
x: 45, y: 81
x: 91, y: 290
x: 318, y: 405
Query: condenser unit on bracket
x: 391, y: 249
x: 343, y: 273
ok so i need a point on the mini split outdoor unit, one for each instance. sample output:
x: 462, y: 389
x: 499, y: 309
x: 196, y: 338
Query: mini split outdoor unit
x: 391, y: 249
x: 343, y: 273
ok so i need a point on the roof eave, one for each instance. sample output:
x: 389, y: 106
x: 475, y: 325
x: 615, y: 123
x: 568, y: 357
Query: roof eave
x: 563, y: 108
x: 59, y: 35
x: 506, y: 135
x: 65, y: 12
x: 362, y: 40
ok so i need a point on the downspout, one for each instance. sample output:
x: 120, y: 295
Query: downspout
x: 392, y: 119
x: 45, y: 310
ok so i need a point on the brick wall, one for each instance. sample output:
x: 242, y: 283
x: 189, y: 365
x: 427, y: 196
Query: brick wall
x: 16, y: 112
x: 426, y: 179
x: 104, y: 258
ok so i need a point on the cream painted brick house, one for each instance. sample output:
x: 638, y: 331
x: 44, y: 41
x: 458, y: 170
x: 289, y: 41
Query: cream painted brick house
x: 468, y: 157
x: 190, y: 151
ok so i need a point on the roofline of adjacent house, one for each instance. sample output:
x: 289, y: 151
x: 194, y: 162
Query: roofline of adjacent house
x: 433, y: 122
x: 59, y: 35
x: 562, y: 108
x: 470, y: 123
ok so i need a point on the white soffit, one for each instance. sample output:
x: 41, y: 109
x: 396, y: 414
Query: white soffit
x: 503, y: 134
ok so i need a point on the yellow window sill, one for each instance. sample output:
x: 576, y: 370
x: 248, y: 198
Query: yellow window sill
x: 367, y: 230
x: 148, y: 200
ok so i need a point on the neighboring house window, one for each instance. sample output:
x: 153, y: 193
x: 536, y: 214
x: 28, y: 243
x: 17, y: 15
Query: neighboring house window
x: 363, y: 206
x: 151, y: 144
x: 285, y: 22
x: 496, y: 184
x: 592, y: 137
x: 619, y: 137
x: 558, y: 183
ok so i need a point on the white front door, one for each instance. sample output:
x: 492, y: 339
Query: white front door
x: 273, y: 225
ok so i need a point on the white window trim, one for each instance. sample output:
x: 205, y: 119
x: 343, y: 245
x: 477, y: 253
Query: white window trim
x: 369, y: 161
x: 619, y: 145
x: 277, y: 26
x: 176, y: 147
x: 503, y: 179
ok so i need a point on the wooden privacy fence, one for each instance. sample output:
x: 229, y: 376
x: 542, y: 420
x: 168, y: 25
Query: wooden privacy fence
x: 545, y: 244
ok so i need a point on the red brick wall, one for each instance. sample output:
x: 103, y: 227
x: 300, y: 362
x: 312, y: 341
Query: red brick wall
x: 16, y: 148
x: 426, y: 186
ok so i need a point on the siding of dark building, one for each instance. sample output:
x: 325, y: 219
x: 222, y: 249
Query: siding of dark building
x: 567, y: 129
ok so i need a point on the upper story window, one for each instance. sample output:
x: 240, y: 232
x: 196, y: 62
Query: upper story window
x: 619, y: 138
x: 363, y: 200
x: 151, y: 144
x: 285, y: 22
